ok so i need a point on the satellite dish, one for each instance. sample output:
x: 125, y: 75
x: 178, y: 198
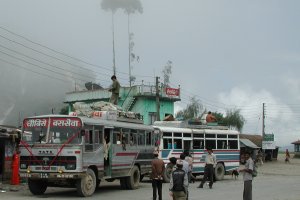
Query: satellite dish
x: 92, y: 86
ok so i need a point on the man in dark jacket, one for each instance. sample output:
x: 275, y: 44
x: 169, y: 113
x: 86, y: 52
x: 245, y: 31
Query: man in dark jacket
x: 115, y: 90
x: 158, y: 168
x: 179, y: 182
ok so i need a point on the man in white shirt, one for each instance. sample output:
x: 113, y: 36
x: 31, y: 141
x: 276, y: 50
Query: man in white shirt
x: 210, y: 163
x: 247, y: 177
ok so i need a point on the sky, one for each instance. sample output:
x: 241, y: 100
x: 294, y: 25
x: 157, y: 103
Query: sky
x: 232, y: 54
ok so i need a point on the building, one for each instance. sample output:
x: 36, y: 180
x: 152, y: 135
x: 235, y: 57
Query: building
x: 270, y: 154
x: 139, y: 98
x: 296, y: 148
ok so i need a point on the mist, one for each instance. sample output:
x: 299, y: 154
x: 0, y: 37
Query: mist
x: 35, y: 78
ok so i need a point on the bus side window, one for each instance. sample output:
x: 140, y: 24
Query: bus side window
x: 148, y: 138
x: 88, y: 140
x: 177, y: 144
x: 232, y: 144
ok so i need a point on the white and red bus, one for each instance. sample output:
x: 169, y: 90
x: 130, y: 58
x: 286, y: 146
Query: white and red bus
x: 179, y: 137
x: 71, y: 151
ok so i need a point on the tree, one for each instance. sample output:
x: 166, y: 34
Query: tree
x: 191, y: 111
x: 64, y: 111
x: 235, y: 119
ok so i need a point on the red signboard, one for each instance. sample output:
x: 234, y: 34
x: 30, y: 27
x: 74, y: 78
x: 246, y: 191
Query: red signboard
x: 172, y: 91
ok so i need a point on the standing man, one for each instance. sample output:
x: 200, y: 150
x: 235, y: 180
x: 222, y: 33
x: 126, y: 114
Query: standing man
x: 247, y: 177
x: 210, y: 163
x: 187, y: 170
x: 115, y: 90
x: 158, y: 168
x: 179, y: 182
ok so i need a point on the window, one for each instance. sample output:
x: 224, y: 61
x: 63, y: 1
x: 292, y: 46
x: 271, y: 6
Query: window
x: 177, y: 144
x: 197, y: 135
x: 221, y: 144
x: 221, y: 136
x: 141, y: 138
x: 189, y: 135
x: 133, y: 137
x: 232, y: 136
x: 177, y: 134
x: 167, y: 144
x: 198, y: 144
x: 148, y: 138
x: 89, y: 139
x: 117, y: 136
x: 210, y: 144
x: 210, y: 135
x: 152, y: 117
x: 167, y: 134
x: 232, y: 144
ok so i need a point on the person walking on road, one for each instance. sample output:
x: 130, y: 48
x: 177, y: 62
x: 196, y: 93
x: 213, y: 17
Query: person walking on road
x: 247, y: 177
x: 115, y: 90
x: 179, y: 182
x: 158, y: 168
x: 287, y: 156
x: 211, y: 162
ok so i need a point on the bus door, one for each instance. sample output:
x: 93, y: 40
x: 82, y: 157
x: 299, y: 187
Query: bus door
x: 107, y: 150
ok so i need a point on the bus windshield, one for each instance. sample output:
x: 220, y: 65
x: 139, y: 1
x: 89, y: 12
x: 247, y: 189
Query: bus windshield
x: 56, y: 130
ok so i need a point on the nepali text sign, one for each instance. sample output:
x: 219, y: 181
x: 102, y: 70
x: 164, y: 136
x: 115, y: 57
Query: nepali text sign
x: 268, y: 142
x: 172, y: 92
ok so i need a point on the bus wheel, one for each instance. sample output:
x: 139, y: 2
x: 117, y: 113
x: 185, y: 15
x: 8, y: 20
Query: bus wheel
x: 219, y: 171
x: 133, y: 180
x: 86, y: 186
x: 168, y: 172
x: 37, y: 187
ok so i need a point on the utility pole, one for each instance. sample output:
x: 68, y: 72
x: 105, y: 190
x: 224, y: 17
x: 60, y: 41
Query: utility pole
x: 113, y: 41
x: 157, y: 100
x: 263, y: 121
x: 263, y: 130
x: 129, y: 52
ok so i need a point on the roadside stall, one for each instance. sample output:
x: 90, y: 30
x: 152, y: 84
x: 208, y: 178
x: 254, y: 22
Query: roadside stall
x: 9, y: 139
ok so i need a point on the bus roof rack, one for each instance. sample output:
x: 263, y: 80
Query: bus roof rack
x: 184, y: 124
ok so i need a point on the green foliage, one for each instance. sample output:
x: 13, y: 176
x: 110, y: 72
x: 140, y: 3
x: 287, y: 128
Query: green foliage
x: 235, y: 119
x: 64, y: 111
x: 191, y: 111
x: 129, y: 6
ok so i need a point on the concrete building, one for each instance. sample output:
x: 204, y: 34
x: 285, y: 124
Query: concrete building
x: 139, y: 98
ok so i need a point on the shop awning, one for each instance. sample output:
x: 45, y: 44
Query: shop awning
x: 248, y: 143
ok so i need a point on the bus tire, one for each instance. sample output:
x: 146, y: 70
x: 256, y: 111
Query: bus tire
x: 219, y: 171
x: 37, y: 187
x: 86, y: 186
x: 167, y: 173
x: 133, y: 180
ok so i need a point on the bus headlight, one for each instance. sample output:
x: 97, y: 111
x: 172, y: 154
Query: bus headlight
x: 60, y: 171
x: 28, y: 170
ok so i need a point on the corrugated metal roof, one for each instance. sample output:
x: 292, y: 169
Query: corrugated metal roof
x: 248, y: 143
x: 256, y: 139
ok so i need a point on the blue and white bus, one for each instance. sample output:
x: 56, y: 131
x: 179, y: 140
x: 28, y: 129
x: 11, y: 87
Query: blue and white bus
x: 179, y: 137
